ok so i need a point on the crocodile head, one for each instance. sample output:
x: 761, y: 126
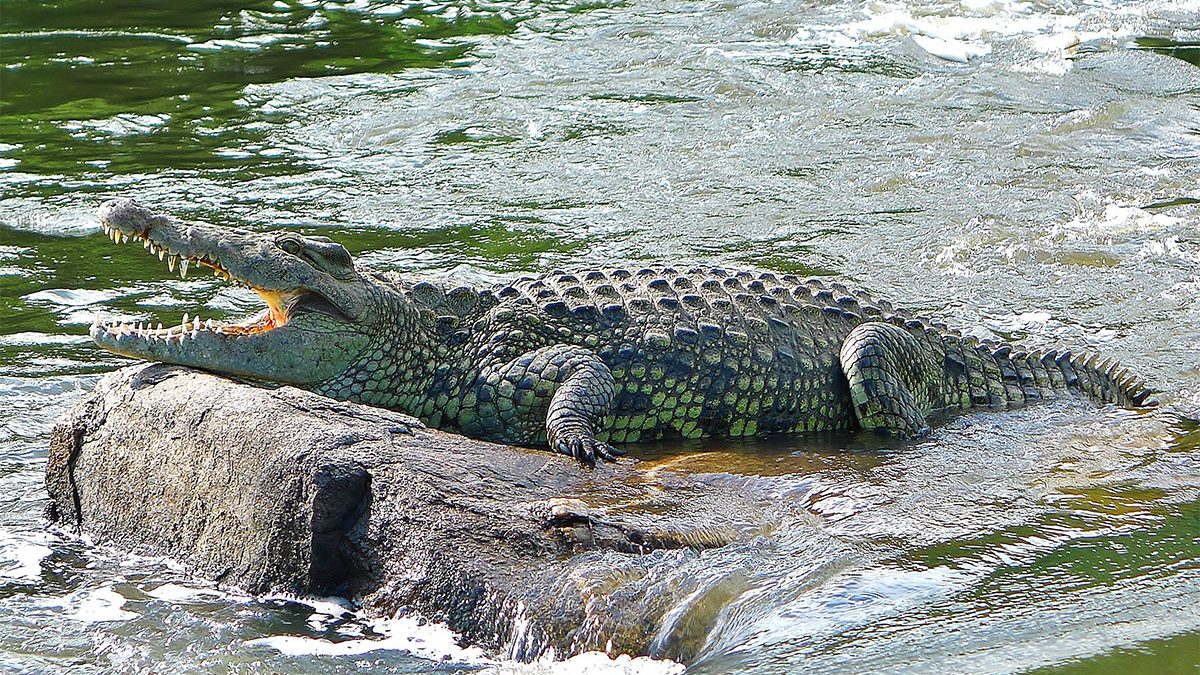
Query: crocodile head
x: 319, y: 309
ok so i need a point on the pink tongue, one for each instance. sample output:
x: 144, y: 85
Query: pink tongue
x: 277, y: 301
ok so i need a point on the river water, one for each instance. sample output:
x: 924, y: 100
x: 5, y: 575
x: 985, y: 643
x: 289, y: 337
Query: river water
x: 1026, y: 170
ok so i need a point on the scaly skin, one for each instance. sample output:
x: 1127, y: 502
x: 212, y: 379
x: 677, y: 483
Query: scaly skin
x: 580, y: 360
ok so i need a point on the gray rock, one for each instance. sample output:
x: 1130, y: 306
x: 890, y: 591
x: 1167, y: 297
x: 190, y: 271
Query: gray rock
x: 283, y: 490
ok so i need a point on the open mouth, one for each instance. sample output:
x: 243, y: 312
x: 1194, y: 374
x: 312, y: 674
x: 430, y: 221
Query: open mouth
x: 281, y: 304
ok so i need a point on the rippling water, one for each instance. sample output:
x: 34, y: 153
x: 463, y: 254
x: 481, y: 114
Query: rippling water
x: 1027, y: 170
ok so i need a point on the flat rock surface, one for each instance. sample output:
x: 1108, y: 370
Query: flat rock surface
x: 518, y: 550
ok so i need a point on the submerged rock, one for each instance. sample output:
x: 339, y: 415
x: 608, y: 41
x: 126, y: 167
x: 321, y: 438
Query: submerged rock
x: 271, y: 490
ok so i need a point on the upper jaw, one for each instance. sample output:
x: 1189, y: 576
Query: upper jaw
x: 240, y: 256
x: 179, y: 244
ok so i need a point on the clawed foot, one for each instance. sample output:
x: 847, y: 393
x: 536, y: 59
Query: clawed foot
x: 587, y: 449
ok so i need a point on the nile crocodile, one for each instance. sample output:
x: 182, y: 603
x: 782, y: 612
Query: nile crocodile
x: 582, y: 360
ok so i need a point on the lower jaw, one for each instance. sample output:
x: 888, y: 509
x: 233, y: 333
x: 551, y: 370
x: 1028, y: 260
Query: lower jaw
x: 189, y: 329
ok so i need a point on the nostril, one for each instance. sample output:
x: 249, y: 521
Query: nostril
x: 114, y: 205
x: 120, y: 212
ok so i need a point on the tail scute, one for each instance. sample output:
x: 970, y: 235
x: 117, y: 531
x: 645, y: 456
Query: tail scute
x: 1102, y: 379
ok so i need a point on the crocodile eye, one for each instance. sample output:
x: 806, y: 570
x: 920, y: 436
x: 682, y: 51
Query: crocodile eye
x: 292, y: 246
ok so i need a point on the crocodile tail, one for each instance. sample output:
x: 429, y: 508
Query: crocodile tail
x: 1102, y: 379
x: 994, y: 373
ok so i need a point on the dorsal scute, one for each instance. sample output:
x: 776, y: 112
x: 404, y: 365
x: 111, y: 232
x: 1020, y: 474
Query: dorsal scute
x: 445, y: 300
x: 712, y: 284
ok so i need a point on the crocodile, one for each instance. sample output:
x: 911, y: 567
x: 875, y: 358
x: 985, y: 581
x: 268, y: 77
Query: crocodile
x: 586, y: 361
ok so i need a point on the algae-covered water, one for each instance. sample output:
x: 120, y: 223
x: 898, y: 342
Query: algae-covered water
x: 1027, y: 170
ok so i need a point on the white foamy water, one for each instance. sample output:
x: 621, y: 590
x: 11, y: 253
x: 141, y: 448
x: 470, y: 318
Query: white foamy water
x: 180, y: 594
x: 1040, y: 37
x: 436, y: 642
x: 94, y: 605
x: 428, y: 640
x: 32, y: 216
x: 1104, y: 218
x: 590, y: 663
x: 21, y: 556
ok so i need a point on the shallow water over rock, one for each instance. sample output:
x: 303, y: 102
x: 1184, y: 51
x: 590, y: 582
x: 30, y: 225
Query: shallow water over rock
x: 1023, y: 170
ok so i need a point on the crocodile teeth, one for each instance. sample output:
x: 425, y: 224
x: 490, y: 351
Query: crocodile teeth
x: 196, y: 324
x: 208, y: 325
x: 161, y: 254
x: 183, y: 265
x: 171, y: 263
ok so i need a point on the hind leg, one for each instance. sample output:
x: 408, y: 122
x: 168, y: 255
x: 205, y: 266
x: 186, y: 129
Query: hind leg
x: 893, y: 382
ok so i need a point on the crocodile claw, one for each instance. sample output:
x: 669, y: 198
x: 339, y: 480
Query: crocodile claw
x: 586, y: 450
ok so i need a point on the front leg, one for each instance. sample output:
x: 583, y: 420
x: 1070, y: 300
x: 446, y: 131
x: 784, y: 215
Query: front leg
x: 560, y: 392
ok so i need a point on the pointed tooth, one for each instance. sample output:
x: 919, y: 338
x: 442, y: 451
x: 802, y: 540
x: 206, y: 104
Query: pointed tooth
x: 187, y: 318
x: 183, y: 265
x: 171, y: 262
x: 196, y: 323
x: 146, y: 244
x: 161, y: 253
x: 208, y: 325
